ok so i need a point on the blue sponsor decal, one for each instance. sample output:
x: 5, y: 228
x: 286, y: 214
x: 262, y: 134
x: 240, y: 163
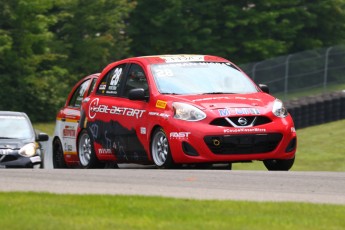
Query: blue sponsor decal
x: 224, y: 112
x: 238, y: 111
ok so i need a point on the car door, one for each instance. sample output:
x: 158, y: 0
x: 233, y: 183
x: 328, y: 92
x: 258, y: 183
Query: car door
x: 70, y: 116
x: 114, y: 119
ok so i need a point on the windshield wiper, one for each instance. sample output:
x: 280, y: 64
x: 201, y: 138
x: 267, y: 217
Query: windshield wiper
x: 218, y: 93
x: 7, y: 138
x: 171, y: 93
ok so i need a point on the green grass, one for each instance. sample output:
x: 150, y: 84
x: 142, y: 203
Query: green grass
x: 51, y: 211
x: 319, y: 148
x: 333, y: 87
x: 47, y: 127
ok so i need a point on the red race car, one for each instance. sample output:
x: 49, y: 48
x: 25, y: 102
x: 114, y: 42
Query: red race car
x: 65, y: 134
x: 173, y: 110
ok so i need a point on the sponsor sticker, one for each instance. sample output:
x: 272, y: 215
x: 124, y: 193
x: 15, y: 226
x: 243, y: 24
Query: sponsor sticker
x: 104, y: 151
x: 161, y: 104
x: 238, y: 111
x: 142, y: 130
x: 102, y: 87
x: 179, y: 135
x: 159, y: 114
x: 245, y: 130
x: 224, y: 112
x: 69, y: 132
x: 95, y: 108
x: 183, y: 58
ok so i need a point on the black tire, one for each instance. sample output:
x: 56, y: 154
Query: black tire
x: 279, y: 165
x: 58, y: 155
x: 160, y: 150
x: 86, y: 152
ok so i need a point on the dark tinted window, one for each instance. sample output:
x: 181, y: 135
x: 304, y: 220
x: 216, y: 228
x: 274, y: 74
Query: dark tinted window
x: 79, y: 94
x: 92, y: 86
x: 136, y: 79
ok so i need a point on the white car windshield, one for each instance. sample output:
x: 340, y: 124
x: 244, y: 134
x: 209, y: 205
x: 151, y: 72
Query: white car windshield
x: 15, y: 127
x: 201, y: 78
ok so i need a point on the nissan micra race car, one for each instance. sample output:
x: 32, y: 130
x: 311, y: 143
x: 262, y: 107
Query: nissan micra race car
x: 172, y: 110
x: 65, y: 135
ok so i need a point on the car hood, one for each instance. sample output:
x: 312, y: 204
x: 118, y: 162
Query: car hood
x: 13, y: 143
x: 210, y: 101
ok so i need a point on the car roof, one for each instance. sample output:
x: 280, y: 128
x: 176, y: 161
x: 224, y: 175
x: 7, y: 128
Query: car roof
x: 176, y: 58
x: 12, y: 113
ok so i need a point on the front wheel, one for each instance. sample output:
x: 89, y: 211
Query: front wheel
x: 160, y: 150
x: 58, y: 155
x: 86, y: 152
x: 279, y: 165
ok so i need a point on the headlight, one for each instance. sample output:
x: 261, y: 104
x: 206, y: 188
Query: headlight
x: 28, y: 150
x: 278, y: 109
x: 187, y: 112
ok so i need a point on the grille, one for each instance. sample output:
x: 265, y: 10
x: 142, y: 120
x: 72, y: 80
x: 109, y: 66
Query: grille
x: 243, y: 144
x: 5, y: 158
x: 251, y: 121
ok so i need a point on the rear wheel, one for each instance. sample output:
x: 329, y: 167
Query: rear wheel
x: 58, y: 156
x: 279, y: 165
x: 86, y: 152
x: 160, y: 150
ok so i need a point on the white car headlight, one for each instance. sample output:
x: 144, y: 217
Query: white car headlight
x: 28, y: 150
x: 279, y: 109
x: 187, y: 112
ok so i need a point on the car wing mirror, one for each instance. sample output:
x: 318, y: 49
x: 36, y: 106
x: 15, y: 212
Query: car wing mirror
x: 42, y: 137
x: 137, y: 94
x: 264, y: 88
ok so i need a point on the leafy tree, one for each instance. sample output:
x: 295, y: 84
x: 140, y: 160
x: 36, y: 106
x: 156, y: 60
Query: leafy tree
x: 270, y: 28
x: 241, y: 30
x: 174, y: 26
x: 25, y: 58
x: 46, y: 46
x: 90, y: 33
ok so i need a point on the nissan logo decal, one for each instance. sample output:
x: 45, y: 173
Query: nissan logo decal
x: 242, y: 121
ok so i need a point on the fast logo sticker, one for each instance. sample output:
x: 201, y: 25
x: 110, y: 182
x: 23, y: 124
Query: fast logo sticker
x: 179, y: 135
x: 161, y: 104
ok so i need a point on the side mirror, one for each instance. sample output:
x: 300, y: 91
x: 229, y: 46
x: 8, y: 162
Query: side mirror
x: 42, y: 137
x: 137, y: 94
x: 264, y: 88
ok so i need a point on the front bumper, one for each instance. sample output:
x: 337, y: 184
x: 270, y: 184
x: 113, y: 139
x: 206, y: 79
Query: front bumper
x: 198, y: 143
x: 12, y: 159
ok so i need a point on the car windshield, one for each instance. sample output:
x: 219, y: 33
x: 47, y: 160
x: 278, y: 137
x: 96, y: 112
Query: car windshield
x: 201, y: 78
x: 15, y: 127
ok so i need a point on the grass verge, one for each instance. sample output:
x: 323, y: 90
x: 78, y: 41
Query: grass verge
x: 47, y: 127
x: 51, y: 211
x: 319, y: 148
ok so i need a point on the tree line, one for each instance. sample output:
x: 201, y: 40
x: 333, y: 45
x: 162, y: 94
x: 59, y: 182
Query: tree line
x: 46, y: 46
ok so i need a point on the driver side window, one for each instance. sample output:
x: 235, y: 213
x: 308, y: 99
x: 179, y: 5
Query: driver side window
x: 136, y: 79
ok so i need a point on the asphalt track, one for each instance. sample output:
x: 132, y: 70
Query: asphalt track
x: 313, y: 187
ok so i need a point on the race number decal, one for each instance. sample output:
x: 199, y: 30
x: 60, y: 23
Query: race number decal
x: 116, y: 77
x: 164, y: 73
